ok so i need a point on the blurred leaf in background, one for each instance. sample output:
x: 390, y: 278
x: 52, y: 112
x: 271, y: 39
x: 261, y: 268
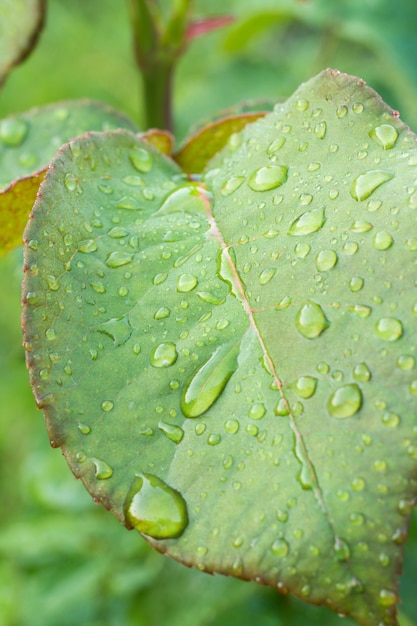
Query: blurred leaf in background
x: 70, y: 561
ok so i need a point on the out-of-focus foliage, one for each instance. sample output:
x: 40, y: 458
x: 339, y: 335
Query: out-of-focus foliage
x: 70, y: 561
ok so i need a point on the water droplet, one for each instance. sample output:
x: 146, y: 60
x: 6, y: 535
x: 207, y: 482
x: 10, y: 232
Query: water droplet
x: 345, y: 401
x: 358, y: 484
x: 326, y: 260
x: 107, y: 405
x: 155, y: 509
x: 118, y: 258
x: 257, y: 411
x: 302, y: 249
x: 365, y: 184
x: 282, y: 408
x: 118, y: 329
x: 208, y: 382
x: 103, y: 471
x: 384, y: 559
x: 164, y: 355
x: 341, y: 111
x: 141, y: 160
x: 390, y: 419
x: 302, y: 104
x: 310, y: 320
x: 87, y: 246
x: 386, y: 135
x: 280, y: 548
x: 361, y: 310
x: 387, y: 598
x: 268, y: 177
x: 389, y: 329
x: 361, y: 226
x: 186, y: 282
x: 162, y: 313
x: 341, y: 549
x: 356, y: 283
x: 231, y: 185
x: 361, y: 373
x: 357, y: 107
x: 84, y: 428
x: 305, y: 386
x: 173, y: 432
x: 308, y: 222
x: 266, y: 275
x: 214, y: 439
x: 320, y: 130
x: 382, y: 240
x: 283, y: 304
x: 275, y: 145
x: 13, y: 131
x: 231, y: 426
x: 405, y: 362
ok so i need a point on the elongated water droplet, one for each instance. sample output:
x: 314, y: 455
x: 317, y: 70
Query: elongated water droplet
x: 308, y: 222
x: 209, y: 381
x: 13, y: 131
x: 311, y: 321
x: 87, y: 246
x: 341, y: 549
x: 320, y: 130
x: 275, y: 145
x: 164, y: 355
x: 389, y: 328
x: 231, y: 185
x: 141, y: 159
x: 365, y: 184
x: 118, y: 258
x: 103, y: 471
x: 386, y: 135
x: 118, y: 329
x: 268, y: 177
x: 266, y: 275
x: 345, y: 401
x: 155, y: 509
x: 173, y: 432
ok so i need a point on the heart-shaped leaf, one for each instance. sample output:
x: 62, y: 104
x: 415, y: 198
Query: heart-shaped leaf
x: 27, y: 144
x: 20, y: 24
x: 229, y: 365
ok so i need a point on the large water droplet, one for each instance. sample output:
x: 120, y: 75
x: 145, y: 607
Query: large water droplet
x: 311, y: 321
x: 308, y: 222
x: 345, y: 401
x: 209, y: 381
x: 141, y: 159
x: 155, y: 509
x: 386, y: 135
x: 13, y: 131
x: 164, y: 355
x: 389, y: 328
x: 268, y: 177
x: 365, y: 184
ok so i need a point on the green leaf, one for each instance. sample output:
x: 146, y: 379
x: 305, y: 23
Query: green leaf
x: 27, y: 144
x: 230, y: 363
x: 20, y: 24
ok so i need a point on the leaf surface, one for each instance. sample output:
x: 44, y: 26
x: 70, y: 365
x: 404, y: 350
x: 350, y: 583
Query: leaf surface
x: 20, y: 24
x: 229, y: 365
x: 27, y: 144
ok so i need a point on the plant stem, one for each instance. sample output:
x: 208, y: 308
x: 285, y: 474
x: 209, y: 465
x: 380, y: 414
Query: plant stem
x: 157, y: 95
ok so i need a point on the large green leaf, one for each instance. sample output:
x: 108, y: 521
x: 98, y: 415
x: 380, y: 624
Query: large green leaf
x: 229, y: 365
x: 20, y: 24
x: 27, y: 144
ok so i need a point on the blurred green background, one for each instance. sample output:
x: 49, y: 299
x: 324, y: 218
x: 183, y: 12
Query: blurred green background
x: 63, y: 560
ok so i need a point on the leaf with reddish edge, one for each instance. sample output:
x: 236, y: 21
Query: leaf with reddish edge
x: 199, y: 149
x: 162, y: 140
x: 201, y: 27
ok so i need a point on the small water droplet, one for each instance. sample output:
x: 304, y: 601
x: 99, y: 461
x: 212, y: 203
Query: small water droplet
x: 275, y: 145
x: 389, y: 329
x: 268, y: 177
x: 173, y: 432
x: 282, y: 408
x: 305, y: 386
x: 341, y: 111
x: 320, y: 130
x: 154, y: 508
x: 231, y: 426
x: 308, y: 222
x: 118, y: 258
x: 107, y: 405
x: 358, y: 484
x: 103, y: 471
x: 386, y: 135
x: 257, y: 411
x: 387, y: 598
x: 13, y: 131
x: 311, y: 321
x: 382, y: 240
x: 302, y: 104
x: 341, y: 549
x: 208, y: 382
x: 283, y: 304
x: 231, y: 185
x: 357, y: 107
x: 345, y: 401
x: 390, y: 419
x: 84, y: 428
x: 214, y: 439
x: 405, y: 362
x: 164, y: 355
x: 186, y: 282
x: 87, y: 246
x: 118, y: 329
x: 356, y: 283
x: 361, y: 373
x: 280, y: 548
x: 266, y: 275
x: 302, y: 249
x: 326, y: 260
x: 141, y: 159
x: 365, y: 184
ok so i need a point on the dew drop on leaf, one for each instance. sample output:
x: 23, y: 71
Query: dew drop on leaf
x: 385, y: 134
x: 280, y: 548
x: 231, y: 185
x: 311, y: 321
x: 305, y: 386
x: 326, y: 260
x: 164, y: 355
x: 103, y: 471
x: 171, y: 431
x: 308, y: 222
x: 361, y: 373
x: 389, y: 329
x: 266, y: 275
x: 345, y: 401
x: 268, y: 177
x: 208, y: 382
x: 118, y: 258
x: 13, y: 131
x: 141, y: 160
x: 382, y: 240
x: 154, y: 508
x: 186, y: 282
x: 257, y: 411
x: 365, y: 184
